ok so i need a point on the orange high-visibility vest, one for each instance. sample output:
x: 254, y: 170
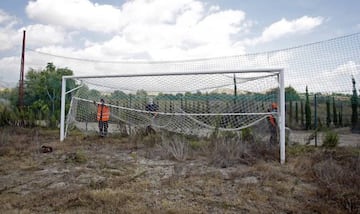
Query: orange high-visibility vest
x: 272, y: 120
x: 103, y: 113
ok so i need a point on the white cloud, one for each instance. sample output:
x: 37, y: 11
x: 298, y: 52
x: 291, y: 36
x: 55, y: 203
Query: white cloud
x: 8, y: 35
x: 147, y: 29
x: 284, y: 27
x: 326, y: 80
x: 4, y: 17
x: 140, y: 30
x: 76, y: 14
x: 41, y: 35
x: 10, y: 69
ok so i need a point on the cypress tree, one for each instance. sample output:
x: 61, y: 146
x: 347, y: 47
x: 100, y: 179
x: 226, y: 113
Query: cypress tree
x: 335, y: 116
x: 354, y: 106
x: 302, y: 113
x: 328, y: 114
x: 307, y: 111
x: 290, y: 112
x: 296, y: 112
x: 340, y: 115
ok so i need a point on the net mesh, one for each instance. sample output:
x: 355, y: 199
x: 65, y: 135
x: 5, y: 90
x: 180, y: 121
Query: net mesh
x: 194, y: 104
x: 326, y: 68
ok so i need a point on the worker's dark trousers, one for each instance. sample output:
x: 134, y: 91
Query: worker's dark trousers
x: 273, y: 135
x: 103, y: 128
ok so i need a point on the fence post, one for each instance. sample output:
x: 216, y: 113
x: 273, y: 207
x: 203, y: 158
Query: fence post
x: 315, y: 118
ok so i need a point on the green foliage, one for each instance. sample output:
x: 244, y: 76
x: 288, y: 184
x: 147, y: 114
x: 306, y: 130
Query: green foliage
x: 291, y: 94
x: 9, y: 95
x: 331, y: 140
x: 247, y: 135
x: 7, y: 116
x: 290, y: 112
x: 43, y: 90
x: 307, y: 111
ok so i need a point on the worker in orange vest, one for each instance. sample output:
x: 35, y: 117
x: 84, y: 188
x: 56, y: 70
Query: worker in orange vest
x: 273, y: 126
x: 103, y: 116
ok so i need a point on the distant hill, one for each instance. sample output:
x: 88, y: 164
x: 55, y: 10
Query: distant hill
x: 4, y: 85
x: 227, y: 91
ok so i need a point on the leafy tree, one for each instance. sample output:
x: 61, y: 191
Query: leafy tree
x: 354, y: 106
x: 307, y: 110
x: 291, y: 94
x: 43, y: 89
x: 117, y: 95
x: 11, y: 95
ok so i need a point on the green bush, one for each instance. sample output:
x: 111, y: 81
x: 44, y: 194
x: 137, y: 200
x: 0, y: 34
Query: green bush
x: 247, y: 135
x: 331, y: 139
x: 7, y: 116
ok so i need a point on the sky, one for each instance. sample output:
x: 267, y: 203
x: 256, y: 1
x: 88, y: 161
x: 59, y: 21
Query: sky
x: 161, y: 30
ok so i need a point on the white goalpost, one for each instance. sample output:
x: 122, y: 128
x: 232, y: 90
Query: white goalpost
x: 190, y: 103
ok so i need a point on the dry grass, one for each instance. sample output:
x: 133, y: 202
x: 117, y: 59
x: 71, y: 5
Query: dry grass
x: 131, y: 174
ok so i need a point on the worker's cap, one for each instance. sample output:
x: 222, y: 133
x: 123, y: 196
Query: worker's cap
x: 102, y: 100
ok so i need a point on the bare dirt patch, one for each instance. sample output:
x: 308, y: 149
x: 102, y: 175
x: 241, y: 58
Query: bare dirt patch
x: 115, y: 175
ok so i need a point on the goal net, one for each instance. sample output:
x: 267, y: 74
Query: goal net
x: 187, y: 103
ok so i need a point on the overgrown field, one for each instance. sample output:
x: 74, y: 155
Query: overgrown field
x: 172, y: 174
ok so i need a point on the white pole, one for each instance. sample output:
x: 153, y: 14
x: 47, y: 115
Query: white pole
x: 62, y: 122
x: 282, y: 117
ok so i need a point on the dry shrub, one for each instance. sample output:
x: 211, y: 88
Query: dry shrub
x: 226, y: 152
x: 329, y: 172
x: 265, y: 152
x: 76, y: 157
x: 338, y: 176
x: 22, y: 144
x: 302, y: 166
x: 175, y: 146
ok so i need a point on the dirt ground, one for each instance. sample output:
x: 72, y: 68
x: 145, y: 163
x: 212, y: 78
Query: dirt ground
x: 126, y: 175
x: 346, y: 138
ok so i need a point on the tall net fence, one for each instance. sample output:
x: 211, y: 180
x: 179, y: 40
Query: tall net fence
x: 326, y: 68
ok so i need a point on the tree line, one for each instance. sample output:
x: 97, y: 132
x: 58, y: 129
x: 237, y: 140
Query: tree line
x: 43, y: 95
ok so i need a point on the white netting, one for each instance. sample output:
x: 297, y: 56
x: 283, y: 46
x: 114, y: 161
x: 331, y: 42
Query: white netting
x: 185, y: 103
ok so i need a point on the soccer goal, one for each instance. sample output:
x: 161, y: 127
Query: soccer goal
x: 196, y: 103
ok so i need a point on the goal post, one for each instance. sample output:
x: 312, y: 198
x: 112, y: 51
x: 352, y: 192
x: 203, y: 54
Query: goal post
x: 186, y: 102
